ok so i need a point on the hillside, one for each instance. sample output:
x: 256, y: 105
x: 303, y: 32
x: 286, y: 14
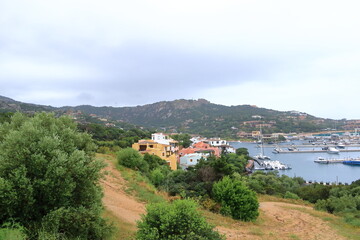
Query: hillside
x: 277, y: 220
x: 193, y: 116
x: 10, y: 105
x: 209, y: 119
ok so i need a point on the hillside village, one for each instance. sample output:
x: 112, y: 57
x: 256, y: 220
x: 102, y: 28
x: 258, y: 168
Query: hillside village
x: 163, y: 146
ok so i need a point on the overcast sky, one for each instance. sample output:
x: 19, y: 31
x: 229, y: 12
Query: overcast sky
x: 284, y: 55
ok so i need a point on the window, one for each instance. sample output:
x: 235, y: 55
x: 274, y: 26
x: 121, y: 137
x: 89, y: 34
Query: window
x: 191, y: 160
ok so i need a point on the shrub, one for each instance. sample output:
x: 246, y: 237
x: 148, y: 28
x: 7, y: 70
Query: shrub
x: 157, y: 177
x: 45, y: 165
x: 129, y: 157
x: 178, y: 220
x: 236, y: 199
x: 291, y: 195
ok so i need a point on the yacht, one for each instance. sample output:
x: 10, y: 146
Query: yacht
x: 321, y: 160
x: 261, y: 156
x: 333, y: 150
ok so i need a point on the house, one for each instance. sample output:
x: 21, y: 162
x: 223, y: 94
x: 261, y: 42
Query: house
x: 216, y: 142
x: 161, y: 138
x: 191, y: 159
x: 200, y: 147
x: 165, y: 151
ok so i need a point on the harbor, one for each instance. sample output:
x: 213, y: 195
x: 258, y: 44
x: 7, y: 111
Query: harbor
x: 303, y: 165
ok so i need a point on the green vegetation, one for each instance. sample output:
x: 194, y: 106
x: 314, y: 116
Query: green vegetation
x: 236, y: 199
x: 341, y: 200
x: 177, y: 220
x: 12, y: 231
x: 183, y: 139
x: 113, y: 138
x: 151, y: 166
x: 49, y: 179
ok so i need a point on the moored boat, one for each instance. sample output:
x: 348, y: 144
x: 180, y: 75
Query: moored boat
x: 352, y: 162
x: 321, y: 160
x: 333, y: 150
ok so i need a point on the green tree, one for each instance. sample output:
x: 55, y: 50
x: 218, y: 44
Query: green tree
x: 183, y: 139
x: 236, y: 199
x: 242, y: 151
x: 178, y: 220
x: 154, y: 161
x: 47, y: 165
x: 131, y: 158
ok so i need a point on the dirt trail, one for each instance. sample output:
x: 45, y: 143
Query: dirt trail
x: 122, y: 206
x: 282, y: 221
x: 278, y: 220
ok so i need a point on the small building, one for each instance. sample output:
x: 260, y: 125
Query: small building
x: 201, y: 147
x: 216, y: 142
x: 161, y: 138
x: 168, y: 152
x: 191, y: 159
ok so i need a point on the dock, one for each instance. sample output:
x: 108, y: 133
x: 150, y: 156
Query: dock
x: 317, y: 151
x: 337, y: 160
x: 307, y: 146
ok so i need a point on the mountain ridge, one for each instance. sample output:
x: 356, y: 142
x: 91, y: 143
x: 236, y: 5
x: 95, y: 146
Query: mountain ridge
x: 191, y: 116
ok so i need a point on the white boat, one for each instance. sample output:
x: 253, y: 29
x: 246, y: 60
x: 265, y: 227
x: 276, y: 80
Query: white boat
x: 277, y: 150
x: 340, y: 146
x: 333, y: 150
x: 260, y: 156
x: 321, y: 160
x: 275, y: 165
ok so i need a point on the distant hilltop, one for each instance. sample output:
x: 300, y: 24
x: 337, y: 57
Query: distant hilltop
x: 197, y: 117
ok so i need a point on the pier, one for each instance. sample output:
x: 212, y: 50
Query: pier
x: 336, y: 160
x: 307, y: 146
x: 317, y: 151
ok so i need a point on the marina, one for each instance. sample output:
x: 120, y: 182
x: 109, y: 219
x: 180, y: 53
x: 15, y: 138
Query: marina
x: 303, y: 165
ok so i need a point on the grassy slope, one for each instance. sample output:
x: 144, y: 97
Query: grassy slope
x: 139, y: 187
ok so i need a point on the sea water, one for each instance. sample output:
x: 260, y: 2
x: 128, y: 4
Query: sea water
x: 303, y: 165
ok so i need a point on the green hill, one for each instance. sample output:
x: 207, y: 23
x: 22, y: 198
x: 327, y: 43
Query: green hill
x: 193, y: 116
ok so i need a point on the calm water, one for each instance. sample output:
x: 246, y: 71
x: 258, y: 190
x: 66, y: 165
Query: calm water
x: 303, y: 164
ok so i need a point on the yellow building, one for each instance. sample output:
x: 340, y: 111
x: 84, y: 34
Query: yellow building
x: 168, y: 152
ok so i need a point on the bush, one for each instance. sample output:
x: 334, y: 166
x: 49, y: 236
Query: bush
x: 314, y: 192
x: 45, y: 165
x: 236, y: 199
x: 157, y: 177
x: 291, y: 195
x: 12, y: 231
x: 178, y: 220
x: 78, y: 223
x: 131, y: 158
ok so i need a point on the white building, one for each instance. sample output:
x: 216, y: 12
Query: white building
x: 217, y: 142
x: 166, y: 140
x: 161, y: 138
x: 191, y: 159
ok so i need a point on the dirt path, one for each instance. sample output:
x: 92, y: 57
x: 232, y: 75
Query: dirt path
x: 122, y: 206
x: 283, y: 221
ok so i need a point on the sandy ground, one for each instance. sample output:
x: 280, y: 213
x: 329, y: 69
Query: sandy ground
x: 283, y: 222
x: 122, y: 205
x: 279, y: 220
